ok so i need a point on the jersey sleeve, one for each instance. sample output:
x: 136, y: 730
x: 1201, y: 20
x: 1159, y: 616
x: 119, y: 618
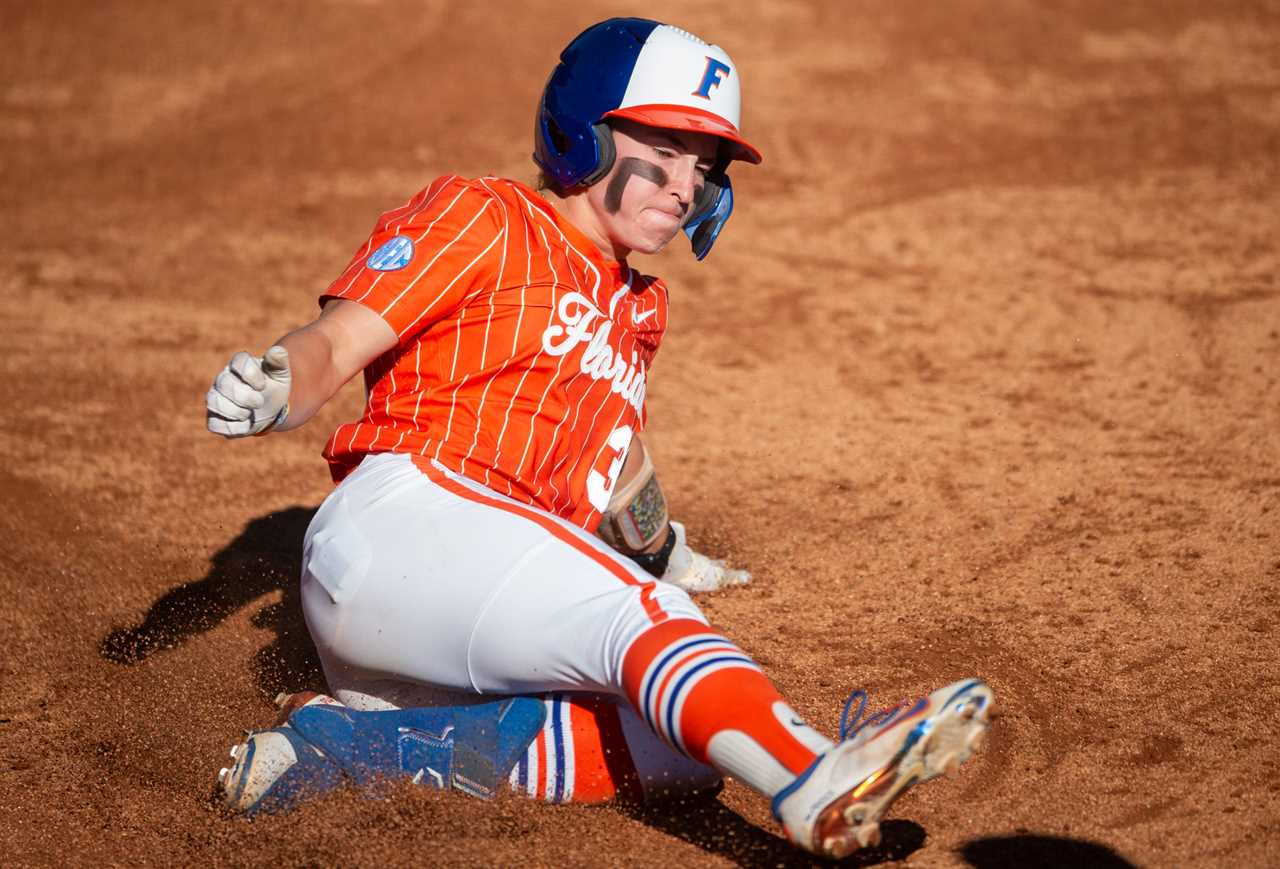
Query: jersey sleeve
x: 425, y: 259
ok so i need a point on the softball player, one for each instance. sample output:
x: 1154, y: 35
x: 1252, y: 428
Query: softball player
x: 494, y: 588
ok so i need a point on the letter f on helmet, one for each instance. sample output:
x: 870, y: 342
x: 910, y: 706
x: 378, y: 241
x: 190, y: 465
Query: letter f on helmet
x: 716, y: 69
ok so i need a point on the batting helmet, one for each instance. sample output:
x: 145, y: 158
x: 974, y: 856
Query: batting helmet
x: 651, y: 73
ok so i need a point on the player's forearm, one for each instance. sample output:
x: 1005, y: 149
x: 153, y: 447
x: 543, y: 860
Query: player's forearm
x: 284, y: 387
x: 317, y: 373
x: 328, y: 352
x: 636, y: 524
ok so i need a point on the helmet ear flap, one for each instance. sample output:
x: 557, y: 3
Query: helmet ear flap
x: 606, y: 153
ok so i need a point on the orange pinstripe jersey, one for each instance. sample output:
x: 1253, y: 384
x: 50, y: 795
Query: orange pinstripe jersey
x: 523, y: 352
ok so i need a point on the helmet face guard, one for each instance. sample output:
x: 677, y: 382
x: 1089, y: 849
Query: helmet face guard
x: 653, y: 74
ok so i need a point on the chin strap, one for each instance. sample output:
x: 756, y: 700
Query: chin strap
x: 705, y: 225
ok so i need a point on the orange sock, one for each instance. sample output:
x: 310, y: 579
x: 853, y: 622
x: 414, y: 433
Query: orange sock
x: 691, y: 684
x: 581, y: 755
x: 697, y: 691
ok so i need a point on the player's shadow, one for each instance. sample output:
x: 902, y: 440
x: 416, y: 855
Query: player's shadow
x: 265, y: 556
x: 1052, y: 852
x: 704, y: 821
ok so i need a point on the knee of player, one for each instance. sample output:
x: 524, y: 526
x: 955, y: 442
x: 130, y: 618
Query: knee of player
x: 647, y: 606
x: 675, y: 602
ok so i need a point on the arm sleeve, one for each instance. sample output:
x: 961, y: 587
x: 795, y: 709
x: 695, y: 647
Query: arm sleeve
x: 426, y: 259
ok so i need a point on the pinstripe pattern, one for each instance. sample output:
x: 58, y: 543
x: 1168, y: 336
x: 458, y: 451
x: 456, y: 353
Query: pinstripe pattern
x: 475, y: 382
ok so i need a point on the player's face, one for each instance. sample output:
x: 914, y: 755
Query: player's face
x: 653, y: 185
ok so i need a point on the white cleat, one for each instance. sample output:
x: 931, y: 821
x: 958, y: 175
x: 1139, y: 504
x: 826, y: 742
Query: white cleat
x: 277, y: 765
x: 835, y: 807
x: 260, y: 761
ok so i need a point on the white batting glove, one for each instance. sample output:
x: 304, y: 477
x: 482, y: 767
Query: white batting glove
x: 694, y: 571
x: 251, y: 395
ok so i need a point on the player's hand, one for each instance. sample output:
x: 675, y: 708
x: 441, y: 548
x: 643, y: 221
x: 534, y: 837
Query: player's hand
x: 694, y: 571
x: 251, y: 395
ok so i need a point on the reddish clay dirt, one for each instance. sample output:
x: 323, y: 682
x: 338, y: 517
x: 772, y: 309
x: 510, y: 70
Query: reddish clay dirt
x: 981, y: 379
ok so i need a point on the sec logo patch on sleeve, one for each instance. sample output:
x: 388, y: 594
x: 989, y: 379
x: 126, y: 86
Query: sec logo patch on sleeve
x: 393, y: 254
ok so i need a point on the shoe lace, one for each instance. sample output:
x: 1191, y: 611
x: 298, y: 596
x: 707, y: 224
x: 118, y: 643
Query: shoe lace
x: 851, y: 725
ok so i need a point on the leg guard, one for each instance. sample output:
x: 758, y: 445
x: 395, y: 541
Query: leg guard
x: 470, y: 748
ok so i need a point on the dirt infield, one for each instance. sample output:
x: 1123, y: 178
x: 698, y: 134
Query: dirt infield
x: 982, y: 378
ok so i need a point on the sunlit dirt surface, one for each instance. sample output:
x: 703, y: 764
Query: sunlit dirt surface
x: 980, y: 379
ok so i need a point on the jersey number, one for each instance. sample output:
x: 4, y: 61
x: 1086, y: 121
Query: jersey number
x: 600, y: 486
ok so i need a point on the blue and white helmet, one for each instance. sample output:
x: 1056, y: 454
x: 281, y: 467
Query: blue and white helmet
x: 653, y: 74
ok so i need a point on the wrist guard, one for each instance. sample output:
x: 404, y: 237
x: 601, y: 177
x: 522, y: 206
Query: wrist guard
x: 655, y: 563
